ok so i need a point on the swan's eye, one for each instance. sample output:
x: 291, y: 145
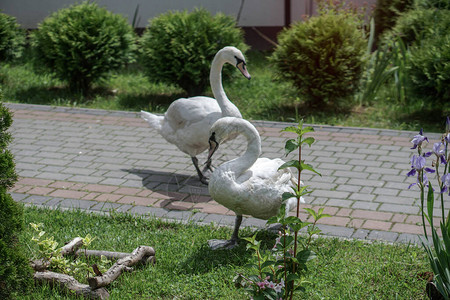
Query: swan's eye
x: 238, y: 61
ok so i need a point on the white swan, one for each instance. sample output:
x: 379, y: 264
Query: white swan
x: 247, y: 185
x: 187, y: 121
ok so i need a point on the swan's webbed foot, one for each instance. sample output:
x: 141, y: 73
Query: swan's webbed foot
x: 222, y: 244
x: 204, y: 180
x: 231, y: 243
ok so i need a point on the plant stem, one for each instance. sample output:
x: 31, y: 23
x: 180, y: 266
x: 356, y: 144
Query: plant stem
x: 297, y: 213
x: 422, y: 200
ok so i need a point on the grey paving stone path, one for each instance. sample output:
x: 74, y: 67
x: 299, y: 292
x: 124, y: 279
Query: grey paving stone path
x: 99, y: 160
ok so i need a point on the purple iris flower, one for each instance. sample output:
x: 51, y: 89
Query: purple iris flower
x: 418, y: 139
x: 447, y: 124
x: 446, y: 184
x: 417, y: 165
x: 440, y: 153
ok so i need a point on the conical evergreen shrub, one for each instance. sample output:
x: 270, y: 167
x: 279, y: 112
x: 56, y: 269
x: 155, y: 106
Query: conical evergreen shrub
x: 15, y: 272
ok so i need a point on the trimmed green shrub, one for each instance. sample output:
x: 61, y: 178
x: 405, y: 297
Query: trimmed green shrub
x: 418, y: 24
x: 323, y: 57
x: 437, y: 4
x: 82, y: 43
x: 12, y: 38
x: 429, y: 70
x: 386, y: 14
x: 15, y: 272
x: 178, y: 47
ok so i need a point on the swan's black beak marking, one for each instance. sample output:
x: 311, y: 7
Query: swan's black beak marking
x: 213, y: 145
x: 241, y: 65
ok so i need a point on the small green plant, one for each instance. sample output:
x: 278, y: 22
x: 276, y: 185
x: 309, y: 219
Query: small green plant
x: 323, y: 57
x: 178, y: 47
x: 439, y: 258
x: 49, y: 252
x: 280, y: 272
x: 12, y: 38
x: 82, y: 43
x: 387, y: 65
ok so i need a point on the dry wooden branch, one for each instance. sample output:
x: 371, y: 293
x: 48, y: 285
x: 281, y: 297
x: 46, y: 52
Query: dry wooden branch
x: 68, y: 284
x: 115, y: 255
x: 140, y: 254
x: 39, y: 264
x: 72, y: 246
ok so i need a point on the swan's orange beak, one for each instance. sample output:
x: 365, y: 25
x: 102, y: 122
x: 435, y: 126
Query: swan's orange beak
x: 243, y: 69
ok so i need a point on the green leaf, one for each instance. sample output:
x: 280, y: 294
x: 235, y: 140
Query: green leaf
x: 292, y: 129
x: 305, y: 256
x: 272, y: 220
x: 292, y: 220
x: 267, y: 263
x: 287, y: 195
x: 289, y: 164
x: 270, y: 294
x: 430, y: 203
x: 307, y: 129
x: 290, y: 146
x: 311, y: 212
x: 291, y: 277
x: 259, y: 297
x: 309, y: 141
x: 308, y: 167
x: 299, y: 226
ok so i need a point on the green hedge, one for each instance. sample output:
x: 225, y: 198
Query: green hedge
x: 12, y: 38
x: 82, y: 43
x: 323, y: 57
x: 178, y: 47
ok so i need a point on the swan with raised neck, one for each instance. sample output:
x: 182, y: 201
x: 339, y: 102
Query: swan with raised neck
x: 187, y: 121
x: 227, y: 54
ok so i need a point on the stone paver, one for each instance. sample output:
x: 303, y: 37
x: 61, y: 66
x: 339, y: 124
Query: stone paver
x: 101, y: 161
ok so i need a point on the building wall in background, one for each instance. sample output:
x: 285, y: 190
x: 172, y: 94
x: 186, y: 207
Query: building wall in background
x: 266, y: 16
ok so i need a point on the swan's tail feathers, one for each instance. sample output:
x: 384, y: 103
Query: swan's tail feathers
x: 155, y: 121
x: 291, y: 203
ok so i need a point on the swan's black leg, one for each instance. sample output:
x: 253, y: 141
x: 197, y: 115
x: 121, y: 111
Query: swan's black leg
x: 202, y: 178
x: 208, y: 166
x: 231, y: 243
x: 237, y: 224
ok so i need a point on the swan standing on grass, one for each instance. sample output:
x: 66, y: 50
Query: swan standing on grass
x: 187, y: 121
x: 247, y: 185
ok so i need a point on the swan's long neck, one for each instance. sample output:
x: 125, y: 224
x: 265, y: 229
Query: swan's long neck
x: 243, y: 163
x: 215, y: 78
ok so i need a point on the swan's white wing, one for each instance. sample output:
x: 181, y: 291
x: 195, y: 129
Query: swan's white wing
x: 184, y: 112
x: 257, y: 192
x: 187, y: 123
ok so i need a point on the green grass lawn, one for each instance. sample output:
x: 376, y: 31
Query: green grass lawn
x: 261, y: 98
x: 187, y: 269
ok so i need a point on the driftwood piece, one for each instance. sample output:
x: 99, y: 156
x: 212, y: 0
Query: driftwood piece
x: 116, y: 255
x: 142, y: 253
x: 72, y: 246
x: 70, y: 284
x: 40, y: 264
